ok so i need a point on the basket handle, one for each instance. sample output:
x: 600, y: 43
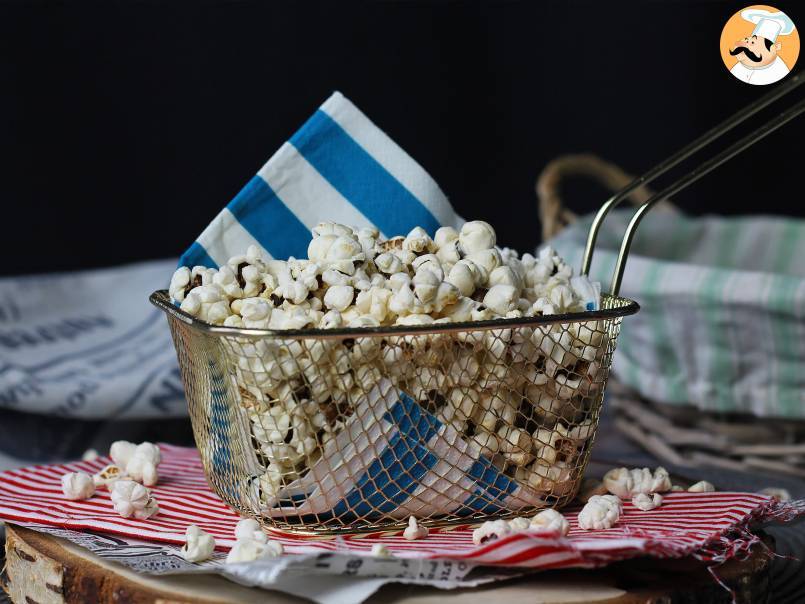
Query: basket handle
x: 691, y: 177
x: 556, y: 218
x: 682, y: 154
x: 553, y: 214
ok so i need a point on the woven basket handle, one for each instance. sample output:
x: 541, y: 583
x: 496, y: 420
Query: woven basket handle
x: 553, y: 215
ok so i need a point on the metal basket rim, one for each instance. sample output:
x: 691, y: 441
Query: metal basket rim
x: 161, y: 300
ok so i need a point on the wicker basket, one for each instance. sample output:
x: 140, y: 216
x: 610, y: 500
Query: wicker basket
x: 679, y: 434
x: 328, y: 431
x: 687, y: 436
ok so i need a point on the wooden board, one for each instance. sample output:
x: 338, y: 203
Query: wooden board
x: 47, y: 570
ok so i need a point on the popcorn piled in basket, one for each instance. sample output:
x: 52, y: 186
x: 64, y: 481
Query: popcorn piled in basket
x: 521, y: 396
x: 355, y: 279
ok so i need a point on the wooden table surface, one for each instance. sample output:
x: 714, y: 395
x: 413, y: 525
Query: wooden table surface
x: 43, y: 569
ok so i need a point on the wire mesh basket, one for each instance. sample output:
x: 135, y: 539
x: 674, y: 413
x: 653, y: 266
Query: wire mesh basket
x: 349, y: 430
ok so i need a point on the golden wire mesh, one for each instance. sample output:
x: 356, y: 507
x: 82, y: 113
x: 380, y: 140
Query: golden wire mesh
x: 349, y: 430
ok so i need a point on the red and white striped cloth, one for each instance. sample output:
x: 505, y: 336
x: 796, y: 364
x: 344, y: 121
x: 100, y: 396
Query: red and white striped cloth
x: 712, y: 526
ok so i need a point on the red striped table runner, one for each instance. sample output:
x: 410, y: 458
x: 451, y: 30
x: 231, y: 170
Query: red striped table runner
x: 709, y: 525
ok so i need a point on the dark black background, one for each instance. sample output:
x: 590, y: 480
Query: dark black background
x: 126, y: 126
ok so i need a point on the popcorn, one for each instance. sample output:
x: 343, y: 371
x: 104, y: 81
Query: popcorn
x: 406, y: 256
x: 413, y: 531
x: 121, y: 452
x: 550, y: 521
x: 374, y: 302
x: 77, y: 485
x: 459, y: 407
x: 201, y: 275
x: 600, y: 512
x: 256, y: 313
x: 426, y: 284
x: 268, y: 485
x: 488, y: 260
x: 487, y: 441
x: 272, y: 426
x: 427, y: 379
x: 179, y: 282
x: 562, y: 296
x: 377, y: 280
x: 107, y: 475
x: 418, y: 241
x: 519, y: 524
x: 501, y: 298
x: 339, y: 297
x: 90, y: 455
x: 381, y: 551
x: 248, y: 550
x: 403, y: 302
x: 206, y: 302
x: 496, y: 342
x: 515, y: 444
x: 199, y: 545
x: 476, y: 236
x: 319, y: 246
x: 541, y: 307
x: 463, y: 370
x: 777, y: 493
x: 331, y: 228
x: 555, y: 479
x: 447, y: 294
x: 449, y: 253
x: 248, y: 528
x: 227, y: 280
x: 489, y: 530
x: 345, y: 248
x: 460, y: 311
x: 142, y: 466
x: 503, y: 275
x: 366, y: 376
x: 333, y: 277
x: 701, y: 487
x: 646, y: 502
x: 546, y: 443
x: 444, y: 235
x: 331, y: 320
x: 389, y: 263
x: 429, y: 262
x: 233, y: 321
x: 626, y: 483
x: 130, y: 498
x: 291, y: 290
x: 138, y: 462
x: 462, y: 277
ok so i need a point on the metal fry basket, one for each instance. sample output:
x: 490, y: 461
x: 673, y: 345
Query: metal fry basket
x: 331, y: 431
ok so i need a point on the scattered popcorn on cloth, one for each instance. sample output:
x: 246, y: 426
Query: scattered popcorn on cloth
x: 677, y: 528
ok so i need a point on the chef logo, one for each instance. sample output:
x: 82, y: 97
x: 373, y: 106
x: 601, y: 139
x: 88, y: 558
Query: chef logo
x: 760, y: 45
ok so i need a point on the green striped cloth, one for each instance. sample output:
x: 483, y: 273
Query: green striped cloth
x: 722, y: 323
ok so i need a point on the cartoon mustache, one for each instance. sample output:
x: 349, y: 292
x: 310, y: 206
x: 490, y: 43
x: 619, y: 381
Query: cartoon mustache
x: 743, y: 49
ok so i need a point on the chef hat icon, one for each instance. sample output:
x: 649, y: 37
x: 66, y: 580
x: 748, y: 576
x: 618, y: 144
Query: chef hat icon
x: 768, y: 25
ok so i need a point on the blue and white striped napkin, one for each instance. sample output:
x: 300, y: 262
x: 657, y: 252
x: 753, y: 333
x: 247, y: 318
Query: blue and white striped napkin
x: 338, y: 167
x: 395, y: 457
